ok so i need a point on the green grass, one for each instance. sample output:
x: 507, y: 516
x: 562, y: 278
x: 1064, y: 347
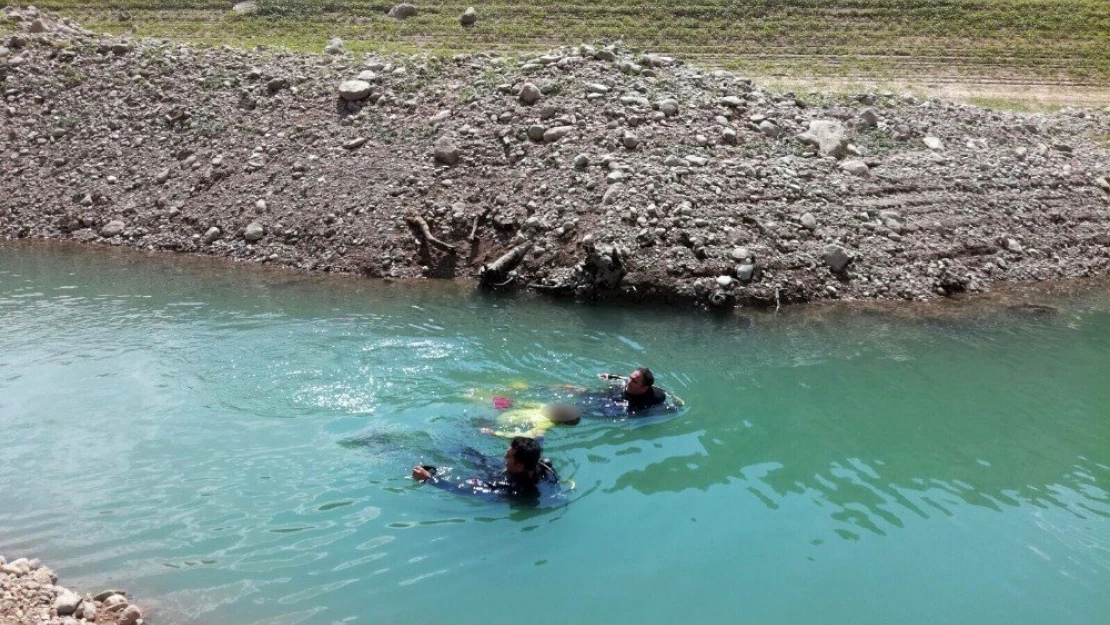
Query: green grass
x: 1046, y: 40
x: 1013, y: 105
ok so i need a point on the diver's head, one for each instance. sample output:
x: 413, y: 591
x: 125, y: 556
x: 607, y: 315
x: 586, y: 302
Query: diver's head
x: 640, y: 381
x: 523, y: 456
x: 564, y: 414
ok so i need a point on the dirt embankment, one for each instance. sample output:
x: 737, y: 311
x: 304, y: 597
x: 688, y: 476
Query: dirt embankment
x: 612, y: 175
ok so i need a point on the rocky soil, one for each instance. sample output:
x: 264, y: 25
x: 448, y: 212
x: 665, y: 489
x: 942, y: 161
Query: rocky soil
x: 29, y: 596
x: 610, y: 174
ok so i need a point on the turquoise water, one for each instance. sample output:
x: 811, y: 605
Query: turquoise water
x: 233, y: 447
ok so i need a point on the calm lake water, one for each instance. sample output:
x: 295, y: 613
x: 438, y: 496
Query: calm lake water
x: 233, y: 446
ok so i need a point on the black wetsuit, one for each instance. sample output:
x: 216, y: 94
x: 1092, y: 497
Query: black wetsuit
x: 502, y: 484
x: 653, y: 397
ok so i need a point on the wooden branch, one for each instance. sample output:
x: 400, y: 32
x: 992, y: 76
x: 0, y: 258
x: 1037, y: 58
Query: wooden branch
x: 497, y: 273
x: 415, y: 221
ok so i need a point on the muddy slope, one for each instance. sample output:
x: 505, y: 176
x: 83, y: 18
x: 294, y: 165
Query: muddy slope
x: 615, y: 175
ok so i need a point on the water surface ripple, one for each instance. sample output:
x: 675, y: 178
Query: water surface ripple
x: 232, y: 446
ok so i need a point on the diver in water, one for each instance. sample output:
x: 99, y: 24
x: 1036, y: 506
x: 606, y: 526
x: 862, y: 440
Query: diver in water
x: 531, y: 419
x: 639, y: 392
x: 525, y: 472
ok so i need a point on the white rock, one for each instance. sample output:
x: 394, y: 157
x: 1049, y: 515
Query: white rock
x: 112, y: 228
x: 724, y: 281
x: 66, y: 603
x: 596, y: 87
x: 211, y: 235
x: 856, y: 168
x: 933, y: 143
x: 354, y: 90
x: 253, y: 232
x: 469, y: 17
x: 745, y: 272
x: 130, y: 616
x: 335, y: 46
x: 402, y: 11
x: 554, y: 134
x: 809, y: 222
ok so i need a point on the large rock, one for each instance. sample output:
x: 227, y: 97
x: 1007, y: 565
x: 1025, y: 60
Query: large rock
x: 210, y: 235
x: 856, y: 168
x: 530, y: 94
x: 66, y: 603
x: 829, y: 136
x: 446, y: 152
x: 468, y: 17
x: 253, y: 232
x: 112, y: 228
x: 402, y: 11
x: 837, y: 258
x: 354, y: 90
x: 554, y: 134
x: 130, y: 616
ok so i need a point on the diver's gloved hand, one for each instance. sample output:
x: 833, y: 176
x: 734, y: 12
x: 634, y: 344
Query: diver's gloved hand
x: 423, y: 473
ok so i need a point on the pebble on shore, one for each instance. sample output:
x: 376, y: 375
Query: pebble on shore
x: 29, y: 594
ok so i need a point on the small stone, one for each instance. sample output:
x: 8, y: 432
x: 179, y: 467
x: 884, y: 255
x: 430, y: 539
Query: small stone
x: 335, y: 46
x: 66, y: 603
x: 250, y: 7
x: 162, y: 176
x: 355, y: 143
x: 211, y: 235
x: 729, y: 136
x: 402, y: 11
x: 809, y: 222
x: 535, y: 132
x: 674, y: 161
x: 1103, y: 183
x: 113, y: 228
x: 88, y: 610
x: 354, y: 90
x: 837, y: 258
x: 253, y: 232
x: 1012, y: 245
x: 856, y: 168
x: 446, y: 152
x: 130, y: 616
x: 933, y: 143
x: 828, y: 136
x: 581, y: 161
x: 724, y: 281
x: 36, y: 27
x: 740, y: 253
x: 612, y: 194
x: 554, y: 134
x: 745, y: 272
x: 629, y: 140
x: 530, y: 94
x: 114, y: 600
x: 669, y: 107
x: 769, y: 129
x: 469, y: 17
x: 276, y: 84
x: 731, y: 102
x: 869, y: 118
x: 697, y: 161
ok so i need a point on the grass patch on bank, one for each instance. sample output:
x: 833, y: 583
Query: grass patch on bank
x: 1062, y: 40
x: 1013, y: 105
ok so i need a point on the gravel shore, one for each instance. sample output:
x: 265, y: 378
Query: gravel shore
x: 29, y: 595
x: 602, y: 173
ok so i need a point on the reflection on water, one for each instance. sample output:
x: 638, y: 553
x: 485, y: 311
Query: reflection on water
x: 235, y: 446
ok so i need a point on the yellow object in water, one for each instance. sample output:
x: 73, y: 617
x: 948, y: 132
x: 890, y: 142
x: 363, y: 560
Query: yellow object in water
x: 518, y: 385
